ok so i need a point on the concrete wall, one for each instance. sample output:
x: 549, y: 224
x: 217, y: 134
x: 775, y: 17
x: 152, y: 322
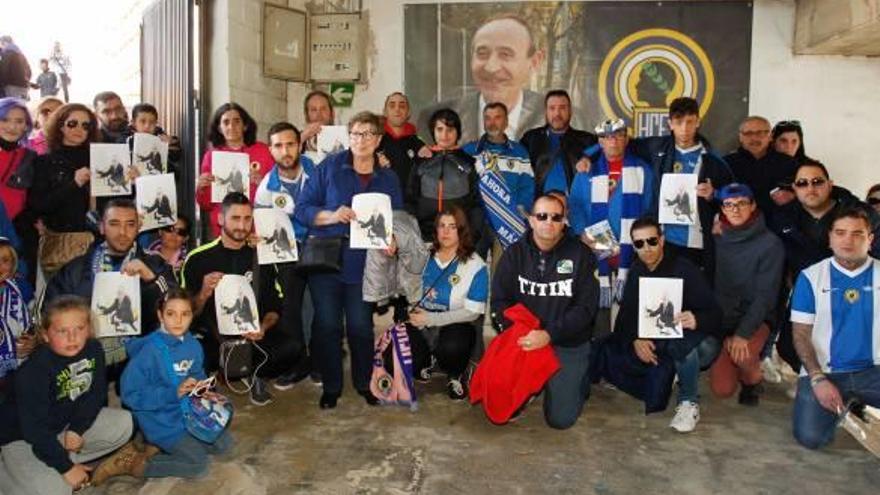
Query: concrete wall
x: 235, y: 51
x: 833, y: 96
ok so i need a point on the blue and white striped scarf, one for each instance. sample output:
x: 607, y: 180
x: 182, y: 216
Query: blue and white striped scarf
x: 506, y: 221
x: 14, y: 319
x: 631, y: 186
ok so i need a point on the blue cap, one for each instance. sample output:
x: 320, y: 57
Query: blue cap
x: 735, y: 190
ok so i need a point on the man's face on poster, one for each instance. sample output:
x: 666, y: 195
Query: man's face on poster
x: 502, y: 60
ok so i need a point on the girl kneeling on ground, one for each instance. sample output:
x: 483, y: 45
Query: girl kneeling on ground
x: 154, y: 398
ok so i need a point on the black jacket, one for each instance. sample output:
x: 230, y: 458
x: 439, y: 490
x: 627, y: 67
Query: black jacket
x: 806, y: 238
x: 697, y: 297
x: 572, y: 147
x: 76, y: 277
x: 55, y: 196
x: 559, y: 286
x: 52, y: 393
x: 402, y: 153
x: 659, y: 152
x: 456, y: 170
x: 773, y: 170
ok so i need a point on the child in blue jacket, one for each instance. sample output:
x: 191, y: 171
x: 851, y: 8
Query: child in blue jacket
x: 150, y: 393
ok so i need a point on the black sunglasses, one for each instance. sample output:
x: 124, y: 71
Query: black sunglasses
x: 71, y: 124
x: 640, y: 243
x: 554, y: 217
x: 815, y: 182
x: 180, y: 232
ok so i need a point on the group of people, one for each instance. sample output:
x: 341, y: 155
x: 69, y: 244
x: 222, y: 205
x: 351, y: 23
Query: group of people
x: 496, y: 227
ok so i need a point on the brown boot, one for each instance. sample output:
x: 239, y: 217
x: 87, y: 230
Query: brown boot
x: 150, y: 450
x: 127, y: 460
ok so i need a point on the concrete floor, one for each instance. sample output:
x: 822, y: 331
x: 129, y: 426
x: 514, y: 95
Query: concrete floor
x: 291, y: 446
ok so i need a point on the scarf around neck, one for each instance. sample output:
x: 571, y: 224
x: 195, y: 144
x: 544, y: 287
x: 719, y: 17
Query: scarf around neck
x: 631, y: 189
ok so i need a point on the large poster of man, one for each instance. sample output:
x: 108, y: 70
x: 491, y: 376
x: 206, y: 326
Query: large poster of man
x: 616, y: 59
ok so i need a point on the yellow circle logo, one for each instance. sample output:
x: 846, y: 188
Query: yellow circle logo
x: 648, y: 69
x: 851, y: 295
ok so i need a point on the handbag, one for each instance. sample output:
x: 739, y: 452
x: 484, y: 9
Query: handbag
x: 205, y: 416
x: 57, y: 248
x: 321, y: 255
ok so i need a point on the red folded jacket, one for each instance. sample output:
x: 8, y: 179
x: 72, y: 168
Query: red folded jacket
x: 507, y: 375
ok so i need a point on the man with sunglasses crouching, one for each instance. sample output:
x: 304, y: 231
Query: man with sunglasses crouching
x: 644, y: 368
x: 553, y: 275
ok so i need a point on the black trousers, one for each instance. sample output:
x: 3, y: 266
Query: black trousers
x: 453, y: 349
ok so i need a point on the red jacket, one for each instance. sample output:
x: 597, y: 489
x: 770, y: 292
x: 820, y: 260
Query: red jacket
x: 259, y: 154
x: 507, y: 375
x: 13, y: 198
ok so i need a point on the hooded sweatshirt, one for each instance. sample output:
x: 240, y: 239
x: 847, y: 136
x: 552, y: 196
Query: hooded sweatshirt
x: 558, y: 286
x: 748, y: 271
x: 148, y: 389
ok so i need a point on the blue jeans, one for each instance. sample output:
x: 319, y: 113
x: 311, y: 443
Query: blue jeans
x: 568, y: 390
x: 332, y: 298
x: 813, y: 424
x: 688, y: 370
x: 189, y: 458
x: 685, y: 353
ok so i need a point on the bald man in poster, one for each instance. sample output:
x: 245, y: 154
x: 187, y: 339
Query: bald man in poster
x: 503, y: 57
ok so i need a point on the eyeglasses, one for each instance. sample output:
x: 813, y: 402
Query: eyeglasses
x: 73, y: 123
x: 554, y: 217
x: 181, y: 232
x: 735, y: 205
x: 356, y: 136
x: 804, y: 183
x: 640, y: 243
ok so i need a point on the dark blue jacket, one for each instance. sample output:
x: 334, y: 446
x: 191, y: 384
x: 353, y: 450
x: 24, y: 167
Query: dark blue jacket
x: 76, y: 277
x: 334, y: 185
x: 659, y: 152
x: 54, y: 393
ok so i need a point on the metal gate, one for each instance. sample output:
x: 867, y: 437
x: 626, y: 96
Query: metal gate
x: 168, y: 82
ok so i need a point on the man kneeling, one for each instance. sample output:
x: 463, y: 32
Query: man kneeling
x: 553, y: 275
x: 834, y: 315
x: 644, y: 368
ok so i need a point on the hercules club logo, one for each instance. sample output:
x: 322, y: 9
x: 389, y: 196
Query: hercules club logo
x: 648, y: 69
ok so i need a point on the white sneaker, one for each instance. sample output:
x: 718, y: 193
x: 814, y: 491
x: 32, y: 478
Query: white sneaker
x: 687, y: 415
x: 771, y: 373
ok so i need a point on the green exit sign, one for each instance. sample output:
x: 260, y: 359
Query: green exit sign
x: 342, y: 94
